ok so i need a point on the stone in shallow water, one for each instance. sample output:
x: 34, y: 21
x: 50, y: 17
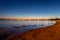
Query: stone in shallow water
x: 34, y: 25
x: 17, y: 27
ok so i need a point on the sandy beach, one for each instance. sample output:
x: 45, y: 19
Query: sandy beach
x: 45, y: 33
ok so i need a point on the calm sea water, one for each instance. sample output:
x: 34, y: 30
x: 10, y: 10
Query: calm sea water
x: 8, y: 24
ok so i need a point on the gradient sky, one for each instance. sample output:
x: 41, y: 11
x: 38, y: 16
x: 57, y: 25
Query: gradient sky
x: 29, y: 8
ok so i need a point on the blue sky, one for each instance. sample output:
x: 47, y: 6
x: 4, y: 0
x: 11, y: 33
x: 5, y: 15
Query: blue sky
x: 29, y: 8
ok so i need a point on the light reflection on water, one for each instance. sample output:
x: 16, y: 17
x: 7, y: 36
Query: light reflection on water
x: 10, y: 24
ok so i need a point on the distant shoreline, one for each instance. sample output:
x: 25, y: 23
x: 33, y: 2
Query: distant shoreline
x: 31, y: 19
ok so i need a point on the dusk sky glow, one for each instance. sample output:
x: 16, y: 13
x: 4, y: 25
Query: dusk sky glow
x: 29, y: 8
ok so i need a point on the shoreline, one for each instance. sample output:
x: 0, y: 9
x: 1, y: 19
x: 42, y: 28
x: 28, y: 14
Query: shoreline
x: 46, y: 33
x: 33, y: 34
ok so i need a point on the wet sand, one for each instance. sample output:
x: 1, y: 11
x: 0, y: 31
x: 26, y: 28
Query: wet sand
x: 45, y: 33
